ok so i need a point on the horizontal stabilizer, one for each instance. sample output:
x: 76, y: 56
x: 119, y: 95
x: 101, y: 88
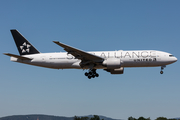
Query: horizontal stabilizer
x: 17, y: 56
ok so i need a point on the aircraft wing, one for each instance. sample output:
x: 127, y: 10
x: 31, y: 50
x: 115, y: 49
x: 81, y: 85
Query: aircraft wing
x: 17, y: 56
x: 79, y: 54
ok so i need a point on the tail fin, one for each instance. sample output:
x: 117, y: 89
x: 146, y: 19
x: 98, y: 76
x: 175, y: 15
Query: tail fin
x: 24, y: 46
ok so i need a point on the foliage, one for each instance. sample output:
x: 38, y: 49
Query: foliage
x: 163, y: 118
x: 47, y: 117
x: 96, y: 117
x: 140, y: 118
x: 81, y: 118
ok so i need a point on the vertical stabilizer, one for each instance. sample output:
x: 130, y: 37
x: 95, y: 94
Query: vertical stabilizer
x: 24, y: 46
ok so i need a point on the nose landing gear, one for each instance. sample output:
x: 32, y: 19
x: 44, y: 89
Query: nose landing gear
x: 92, y: 73
x: 162, y: 67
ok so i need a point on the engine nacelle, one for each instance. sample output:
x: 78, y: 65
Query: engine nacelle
x: 117, y: 71
x: 112, y: 63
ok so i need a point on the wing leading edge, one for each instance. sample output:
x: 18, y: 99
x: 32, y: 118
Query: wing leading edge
x: 79, y: 54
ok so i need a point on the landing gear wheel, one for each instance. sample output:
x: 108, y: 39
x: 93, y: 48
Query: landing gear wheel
x: 91, y: 74
x: 162, y: 67
x: 86, y: 74
x: 97, y: 75
x: 89, y: 77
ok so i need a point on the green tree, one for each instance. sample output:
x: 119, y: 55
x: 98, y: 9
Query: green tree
x: 142, y: 118
x: 96, y: 117
x: 84, y: 118
x: 131, y: 118
x: 80, y: 118
x: 161, y: 118
x: 76, y: 118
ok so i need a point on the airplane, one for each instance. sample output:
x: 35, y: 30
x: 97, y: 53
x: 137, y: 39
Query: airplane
x: 110, y: 61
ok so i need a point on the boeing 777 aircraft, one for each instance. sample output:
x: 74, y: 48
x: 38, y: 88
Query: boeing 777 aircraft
x: 110, y: 61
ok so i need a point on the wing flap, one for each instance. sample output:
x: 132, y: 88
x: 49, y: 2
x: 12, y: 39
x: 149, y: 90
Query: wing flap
x: 17, y: 56
x: 79, y: 54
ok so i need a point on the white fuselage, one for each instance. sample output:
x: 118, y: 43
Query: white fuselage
x: 111, y: 61
x: 63, y: 60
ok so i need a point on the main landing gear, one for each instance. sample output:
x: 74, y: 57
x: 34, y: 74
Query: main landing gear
x: 92, y: 73
x: 162, y: 67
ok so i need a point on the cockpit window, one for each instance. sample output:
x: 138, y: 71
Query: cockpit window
x: 171, y: 55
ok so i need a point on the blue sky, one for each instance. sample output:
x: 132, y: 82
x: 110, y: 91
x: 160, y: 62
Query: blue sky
x: 90, y: 26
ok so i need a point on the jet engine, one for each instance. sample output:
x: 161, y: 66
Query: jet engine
x: 112, y: 63
x: 116, y: 71
x: 113, y: 66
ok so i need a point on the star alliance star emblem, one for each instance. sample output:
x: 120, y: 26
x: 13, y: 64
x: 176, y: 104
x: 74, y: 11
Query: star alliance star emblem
x: 25, y: 47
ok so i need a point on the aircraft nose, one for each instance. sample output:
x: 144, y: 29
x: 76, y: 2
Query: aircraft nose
x: 175, y: 59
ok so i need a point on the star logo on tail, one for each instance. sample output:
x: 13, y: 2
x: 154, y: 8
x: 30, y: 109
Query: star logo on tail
x: 25, y: 47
